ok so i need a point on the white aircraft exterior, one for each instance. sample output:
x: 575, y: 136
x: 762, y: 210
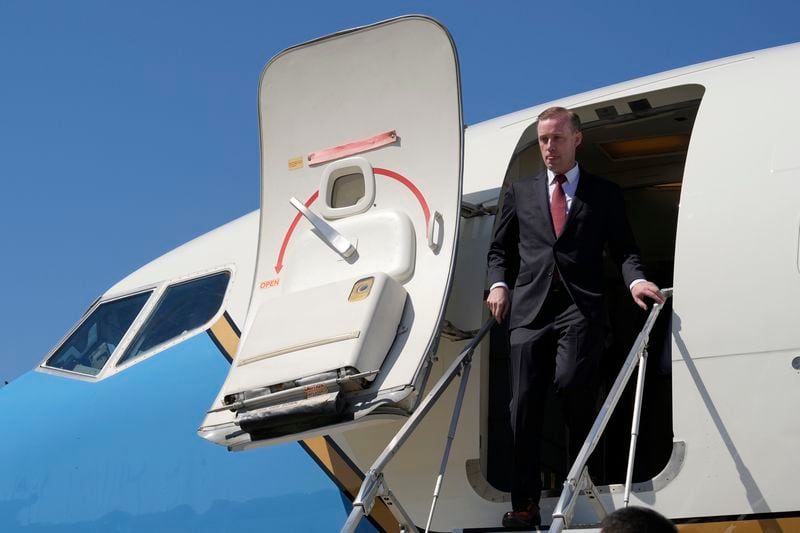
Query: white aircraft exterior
x: 339, y: 310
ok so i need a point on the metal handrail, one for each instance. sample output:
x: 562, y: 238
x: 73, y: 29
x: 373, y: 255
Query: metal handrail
x: 373, y: 480
x: 451, y: 435
x: 577, y: 477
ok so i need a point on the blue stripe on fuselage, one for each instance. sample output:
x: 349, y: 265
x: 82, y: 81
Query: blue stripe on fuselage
x: 122, y: 454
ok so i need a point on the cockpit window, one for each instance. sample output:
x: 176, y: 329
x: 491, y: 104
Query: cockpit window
x: 89, y: 347
x: 184, y: 307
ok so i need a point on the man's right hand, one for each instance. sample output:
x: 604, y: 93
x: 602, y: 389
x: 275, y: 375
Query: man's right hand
x: 498, y: 303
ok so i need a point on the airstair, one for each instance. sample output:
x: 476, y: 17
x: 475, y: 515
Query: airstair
x: 578, y: 481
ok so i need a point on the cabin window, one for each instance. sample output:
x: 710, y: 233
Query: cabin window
x: 641, y: 143
x: 183, y: 308
x: 88, y: 349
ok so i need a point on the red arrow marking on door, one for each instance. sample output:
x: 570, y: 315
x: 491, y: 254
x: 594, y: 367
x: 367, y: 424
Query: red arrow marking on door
x: 288, y: 235
x: 413, y: 188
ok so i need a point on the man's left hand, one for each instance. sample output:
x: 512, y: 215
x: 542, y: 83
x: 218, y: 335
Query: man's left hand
x: 646, y: 290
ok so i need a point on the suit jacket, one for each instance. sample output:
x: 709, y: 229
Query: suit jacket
x: 525, y: 252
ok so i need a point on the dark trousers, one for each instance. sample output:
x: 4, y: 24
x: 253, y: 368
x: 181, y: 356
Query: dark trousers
x: 563, y: 348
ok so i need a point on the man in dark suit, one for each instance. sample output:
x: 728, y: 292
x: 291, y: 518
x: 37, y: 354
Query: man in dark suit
x: 548, y: 246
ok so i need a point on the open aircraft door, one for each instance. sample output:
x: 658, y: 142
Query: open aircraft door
x: 361, y: 143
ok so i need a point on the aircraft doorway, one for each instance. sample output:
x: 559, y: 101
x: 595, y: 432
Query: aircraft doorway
x: 641, y: 143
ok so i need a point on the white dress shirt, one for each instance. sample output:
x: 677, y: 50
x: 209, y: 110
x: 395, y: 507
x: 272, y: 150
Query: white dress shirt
x: 570, y: 186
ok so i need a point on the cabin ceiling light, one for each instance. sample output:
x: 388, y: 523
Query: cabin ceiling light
x: 649, y: 147
x: 673, y: 186
x: 640, y: 106
x: 606, y: 113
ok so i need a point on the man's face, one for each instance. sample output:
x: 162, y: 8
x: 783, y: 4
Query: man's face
x: 558, y: 141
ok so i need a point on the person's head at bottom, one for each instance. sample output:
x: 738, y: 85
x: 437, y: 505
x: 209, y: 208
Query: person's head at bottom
x: 636, y: 520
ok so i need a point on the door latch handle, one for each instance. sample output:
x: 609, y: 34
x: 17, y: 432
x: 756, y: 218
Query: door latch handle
x: 325, y: 231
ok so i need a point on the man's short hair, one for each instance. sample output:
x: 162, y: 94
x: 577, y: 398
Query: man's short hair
x: 555, y: 112
x: 636, y: 520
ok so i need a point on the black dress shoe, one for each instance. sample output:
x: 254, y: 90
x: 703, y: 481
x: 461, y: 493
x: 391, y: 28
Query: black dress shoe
x: 521, y: 519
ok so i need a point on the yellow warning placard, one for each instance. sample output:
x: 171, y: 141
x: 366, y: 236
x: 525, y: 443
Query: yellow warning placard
x: 295, y: 163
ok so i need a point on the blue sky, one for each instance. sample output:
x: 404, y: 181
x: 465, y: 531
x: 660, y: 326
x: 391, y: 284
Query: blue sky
x: 127, y: 129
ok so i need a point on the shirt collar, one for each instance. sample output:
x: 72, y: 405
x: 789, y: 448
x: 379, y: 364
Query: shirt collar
x: 572, y: 175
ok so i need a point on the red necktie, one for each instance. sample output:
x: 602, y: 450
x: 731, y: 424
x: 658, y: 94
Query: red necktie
x: 558, y: 205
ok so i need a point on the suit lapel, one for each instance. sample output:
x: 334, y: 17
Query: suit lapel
x: 543, y: 202
x: 577, y: 200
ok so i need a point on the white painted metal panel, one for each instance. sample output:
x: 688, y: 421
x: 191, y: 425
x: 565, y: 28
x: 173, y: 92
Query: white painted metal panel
x: 386, y: 98
x: 340, y: 334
